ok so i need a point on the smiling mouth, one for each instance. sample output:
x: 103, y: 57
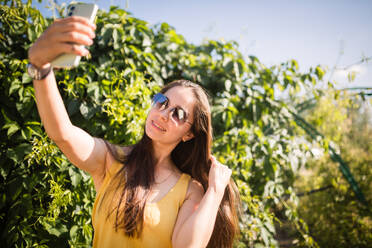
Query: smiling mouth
x: 157, y: 126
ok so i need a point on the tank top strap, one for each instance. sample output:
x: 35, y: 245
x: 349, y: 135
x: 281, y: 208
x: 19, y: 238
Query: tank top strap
x: 181, y: 188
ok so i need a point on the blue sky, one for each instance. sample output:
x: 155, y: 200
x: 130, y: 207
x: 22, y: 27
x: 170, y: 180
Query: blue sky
x: 312, y: 32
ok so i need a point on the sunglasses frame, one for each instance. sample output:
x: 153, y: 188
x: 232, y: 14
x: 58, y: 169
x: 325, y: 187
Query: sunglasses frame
x: 163, y: 99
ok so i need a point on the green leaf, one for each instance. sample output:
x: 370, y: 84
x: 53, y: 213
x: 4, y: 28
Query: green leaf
x: 227, y: 85
x: 319, y: 72
x: 73, y: 231
x: 18, y: 153
x: 107, y: 35
x: 57, y: 230
x: 75, y: 177
x: 93, y: 91
x: 87, y: 110
x: 146, y: 41
x: 31, y: 34
x: 12, y: 128
x: 73, y: 107
x: 265, y: 236
x: 294, y: 64
x: 26, y: 78
x: 115, y: 38
x: 16, y: 84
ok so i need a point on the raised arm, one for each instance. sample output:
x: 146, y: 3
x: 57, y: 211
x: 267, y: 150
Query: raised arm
x: 197, y: 216
x: 84, y: 151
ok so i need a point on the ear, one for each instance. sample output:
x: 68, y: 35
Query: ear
x: 188, y: 136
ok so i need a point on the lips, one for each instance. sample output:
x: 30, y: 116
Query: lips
x: 157, y: 126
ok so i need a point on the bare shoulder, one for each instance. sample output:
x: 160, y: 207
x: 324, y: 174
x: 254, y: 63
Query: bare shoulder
x: 195, y: 193
x: 195, y: 190
x: 110, y: 159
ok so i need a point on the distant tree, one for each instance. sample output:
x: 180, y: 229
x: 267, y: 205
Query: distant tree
x: 334, y: 216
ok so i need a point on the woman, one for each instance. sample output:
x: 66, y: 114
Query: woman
x: 166, y: 190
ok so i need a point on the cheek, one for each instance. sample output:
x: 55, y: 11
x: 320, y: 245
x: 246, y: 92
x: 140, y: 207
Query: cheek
x: 181, y: 131
x: 148, y: 118
x: 149, y: 115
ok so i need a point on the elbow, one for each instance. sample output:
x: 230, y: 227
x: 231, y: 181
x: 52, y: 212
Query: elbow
x: 58, y: 131
x: 176, y: 243
x: 55, y: 137
x: 59, y: 135
x: 187, y: 243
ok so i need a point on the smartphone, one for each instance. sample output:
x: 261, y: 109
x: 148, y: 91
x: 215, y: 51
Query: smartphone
x: 87, y: 10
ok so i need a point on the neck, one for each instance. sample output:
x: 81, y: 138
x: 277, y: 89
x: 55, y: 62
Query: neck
x: 162, y: 154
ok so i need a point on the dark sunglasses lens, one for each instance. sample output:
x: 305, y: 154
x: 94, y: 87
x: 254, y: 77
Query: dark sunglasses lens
x: 179, y: 115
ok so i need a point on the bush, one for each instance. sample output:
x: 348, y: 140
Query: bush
x: 45, y: 201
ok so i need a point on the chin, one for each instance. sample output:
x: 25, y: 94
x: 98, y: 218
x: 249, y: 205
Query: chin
x: 151, y: 133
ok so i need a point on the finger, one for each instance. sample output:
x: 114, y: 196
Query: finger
x: 73, y: 37
x: 213, y: 158
x: 73, y: 48
x: 74, y: 27
x: 78, y: 19
x: 213, y: 165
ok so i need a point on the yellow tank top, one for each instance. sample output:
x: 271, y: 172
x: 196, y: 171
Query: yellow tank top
x: 159, y: 218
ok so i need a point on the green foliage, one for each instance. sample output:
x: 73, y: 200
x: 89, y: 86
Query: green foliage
x: 334, y: 216
x: 47, y: 202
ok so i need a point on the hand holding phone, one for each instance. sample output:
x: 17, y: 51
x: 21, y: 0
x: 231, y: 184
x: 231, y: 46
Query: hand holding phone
x: 88, y: 11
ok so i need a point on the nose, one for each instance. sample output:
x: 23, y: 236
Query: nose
x: 164, y: 114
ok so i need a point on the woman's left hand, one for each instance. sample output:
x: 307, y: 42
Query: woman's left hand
x: 219, y: 176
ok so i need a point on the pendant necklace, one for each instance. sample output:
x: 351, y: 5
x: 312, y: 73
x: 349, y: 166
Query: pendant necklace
x: 164, y: 179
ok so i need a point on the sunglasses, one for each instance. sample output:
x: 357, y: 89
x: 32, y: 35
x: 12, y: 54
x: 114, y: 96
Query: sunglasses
x: 160, y: 102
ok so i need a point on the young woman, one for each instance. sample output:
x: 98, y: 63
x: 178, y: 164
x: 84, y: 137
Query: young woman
x: 165, y: 191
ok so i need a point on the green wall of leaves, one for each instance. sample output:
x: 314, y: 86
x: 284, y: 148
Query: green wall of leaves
x: 47, y: 202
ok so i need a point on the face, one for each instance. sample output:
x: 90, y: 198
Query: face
x: 165, y: 124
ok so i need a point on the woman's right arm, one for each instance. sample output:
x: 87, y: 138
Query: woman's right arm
x: 84, y: 151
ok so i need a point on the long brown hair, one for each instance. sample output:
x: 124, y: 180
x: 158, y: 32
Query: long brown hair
x: 191, y: 157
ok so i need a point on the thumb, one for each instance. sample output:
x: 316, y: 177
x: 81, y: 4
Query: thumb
x: 212, y: 160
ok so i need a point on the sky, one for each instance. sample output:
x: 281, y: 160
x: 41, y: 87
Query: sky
x: 313, y: 32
